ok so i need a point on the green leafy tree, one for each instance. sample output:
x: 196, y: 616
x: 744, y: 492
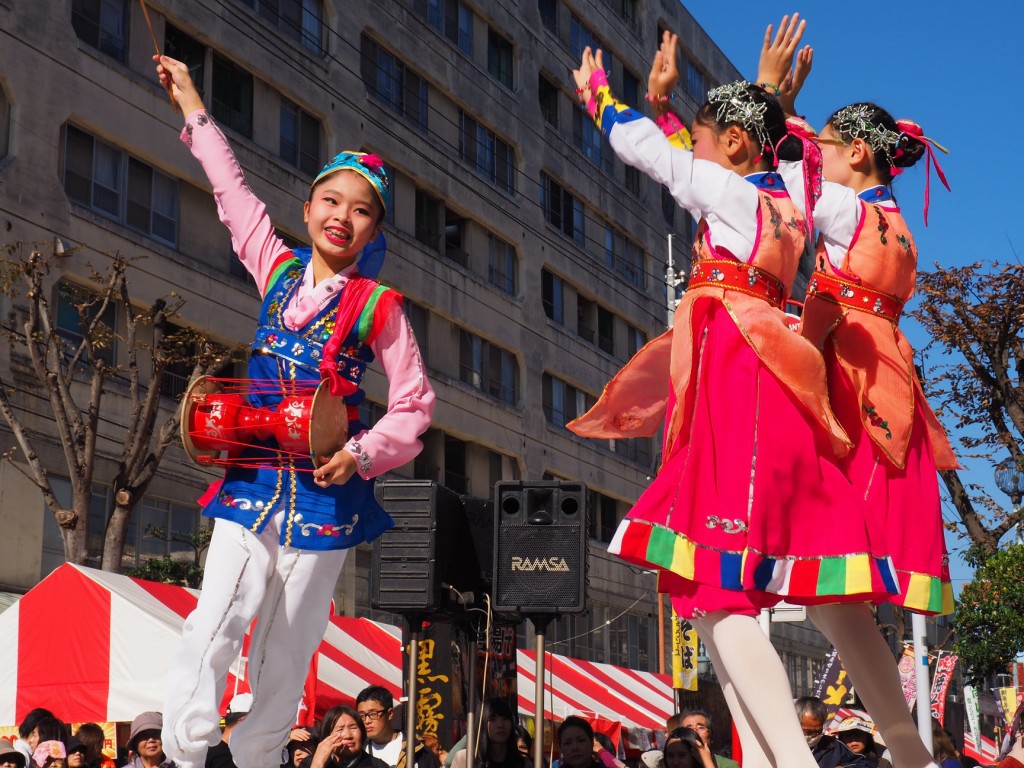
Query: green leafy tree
x: 990, y: 616
x: 171, y: 570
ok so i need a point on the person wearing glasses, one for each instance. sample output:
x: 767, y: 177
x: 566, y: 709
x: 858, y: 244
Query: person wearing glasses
x: 376, y: 707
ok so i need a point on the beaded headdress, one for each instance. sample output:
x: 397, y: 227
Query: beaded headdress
x: 854, y: 122
x: 735, y: 104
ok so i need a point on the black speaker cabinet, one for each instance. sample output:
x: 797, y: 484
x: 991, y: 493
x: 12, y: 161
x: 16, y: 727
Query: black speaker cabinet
x: 540, y: 547
x: 429, y: 549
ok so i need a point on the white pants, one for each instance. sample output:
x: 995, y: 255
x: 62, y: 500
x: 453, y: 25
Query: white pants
x: 289, y: 590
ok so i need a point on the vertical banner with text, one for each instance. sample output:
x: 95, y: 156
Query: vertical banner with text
x: 973, y: 713
x: 684, y: 654
x: 940, y: 685
x: 908, y: 680
x: 833, y: 686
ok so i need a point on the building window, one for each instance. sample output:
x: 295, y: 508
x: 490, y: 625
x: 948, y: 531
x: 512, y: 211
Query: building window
x: 189, y: 51
x: 561, y: 209
x: 455, y: 476
x: 418, y: 316
x: 588, y: 139
x: 605, y: 330
x: 563, y: 402
x: 77, y: 310
x: 636, y: 449
x: 5, y: 123
x: 586, y: 318
x: 624, y: 257
x: 502, y: 265
x: 580, y: 37
x: 553, y: 296
x: 668, y: 207
x: 300, y: 20
x: 549, y: 14
x: 370, y: 412
x: 627, y: 11
x: 630, y: 88
x: 428, y: 220
x: 634, y: 182
x: 394, y: 84
x: 695, y: 83
x: 499, y: 57
x: 102, y: 24
x: 488, y: 368
x: 232, y: 96
x: 110, y: 181
x: 547, y: 96
x: 603, y: 516
x: 159, y: 527
x: 635, y: 339
x: 300, y: 138
x: 178, y: 371
x: 490, y: 156
x: 455, y: 238
x: 451, y: 18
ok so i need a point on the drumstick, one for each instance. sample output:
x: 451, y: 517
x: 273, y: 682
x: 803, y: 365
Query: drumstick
x: 156, y: 45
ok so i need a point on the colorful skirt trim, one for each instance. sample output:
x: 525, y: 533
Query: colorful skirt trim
x: 847, y: 577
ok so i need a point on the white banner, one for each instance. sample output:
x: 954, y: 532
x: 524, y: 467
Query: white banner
x: 973, y: 720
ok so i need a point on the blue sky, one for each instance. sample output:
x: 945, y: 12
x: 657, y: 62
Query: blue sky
x: 955, y: 70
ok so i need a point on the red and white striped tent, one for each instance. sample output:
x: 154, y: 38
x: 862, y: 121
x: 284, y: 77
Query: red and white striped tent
x: 95, y: 646
x: 640, y: 702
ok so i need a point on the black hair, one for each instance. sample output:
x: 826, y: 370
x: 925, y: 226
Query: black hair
x: 813, y: 706
x: 605, y: 741
x: 906, y: 151
x: 333, y: 715
x: 377, y: 693
x: 51, y: 729
x: 294, y: 745
x: 782, y: 145
x: 572, y: 721
x: 234, y: 718
x: 497, y: 707
x: 691, y: 742
x: 32, y: 720
x: 521, y: 732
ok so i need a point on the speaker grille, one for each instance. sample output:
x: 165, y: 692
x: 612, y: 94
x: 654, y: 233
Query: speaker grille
x: 542, y: 568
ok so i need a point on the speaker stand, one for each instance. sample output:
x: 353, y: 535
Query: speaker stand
x: 415, y: 627
x: 471, y: 705
x: 540, y: 626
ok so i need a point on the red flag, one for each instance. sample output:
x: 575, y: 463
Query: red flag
x: 940, y: 685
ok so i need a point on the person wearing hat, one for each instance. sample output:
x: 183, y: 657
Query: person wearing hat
x: 219, y: 755
x: 145, y: 742
x: 9, y: 756
x: 858, y: 736
x: 828, y: 751
x: 284, y: 522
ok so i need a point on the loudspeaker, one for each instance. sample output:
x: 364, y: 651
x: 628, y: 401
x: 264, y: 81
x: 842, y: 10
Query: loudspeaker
x: 429, y: 550
x: 540, y: 547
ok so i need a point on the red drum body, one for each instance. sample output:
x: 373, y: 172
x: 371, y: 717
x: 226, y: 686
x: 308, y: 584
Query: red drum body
x: 218, y: 423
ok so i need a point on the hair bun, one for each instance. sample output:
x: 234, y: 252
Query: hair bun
x: 910, y: 128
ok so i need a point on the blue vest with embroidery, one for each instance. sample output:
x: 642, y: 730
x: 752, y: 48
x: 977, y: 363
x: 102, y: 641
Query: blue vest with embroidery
x: 336, y: 517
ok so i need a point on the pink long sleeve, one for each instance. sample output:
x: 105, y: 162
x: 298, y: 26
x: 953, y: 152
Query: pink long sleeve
x: 394, y: 439
x: 252, y: 233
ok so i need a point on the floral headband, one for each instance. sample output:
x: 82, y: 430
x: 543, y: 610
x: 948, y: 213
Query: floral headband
x: 370, y: 167
x: 48, y: 750
x: 735, y: 105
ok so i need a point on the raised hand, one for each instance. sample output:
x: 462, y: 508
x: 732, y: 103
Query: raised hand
x: 664, y: 72
x: 790, y: 86
x: 589, y: 63
x: 174, y: 76
x: 777, y: 50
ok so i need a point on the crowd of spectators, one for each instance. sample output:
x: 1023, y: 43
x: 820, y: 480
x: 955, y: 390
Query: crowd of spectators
x: 369, y: 736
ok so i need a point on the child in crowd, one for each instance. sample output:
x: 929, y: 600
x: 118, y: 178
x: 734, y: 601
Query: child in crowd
x: 284, y: 525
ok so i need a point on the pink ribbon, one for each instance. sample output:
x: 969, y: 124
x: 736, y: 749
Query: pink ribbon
x: 812, y: 167
x: 913, y: 130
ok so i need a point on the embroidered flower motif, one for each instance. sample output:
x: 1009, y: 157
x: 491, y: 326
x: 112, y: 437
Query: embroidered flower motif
x: 883, y: 225
x: 846, y: 292
x: 365, y: 462
x: 774, y: 217
x: 373, y: 162
x: 188, y: 135
x: 877, y: 421
x: 202, y: 119
x: 297, y: 349
x: 717, y: 275
x: 328, y: 529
